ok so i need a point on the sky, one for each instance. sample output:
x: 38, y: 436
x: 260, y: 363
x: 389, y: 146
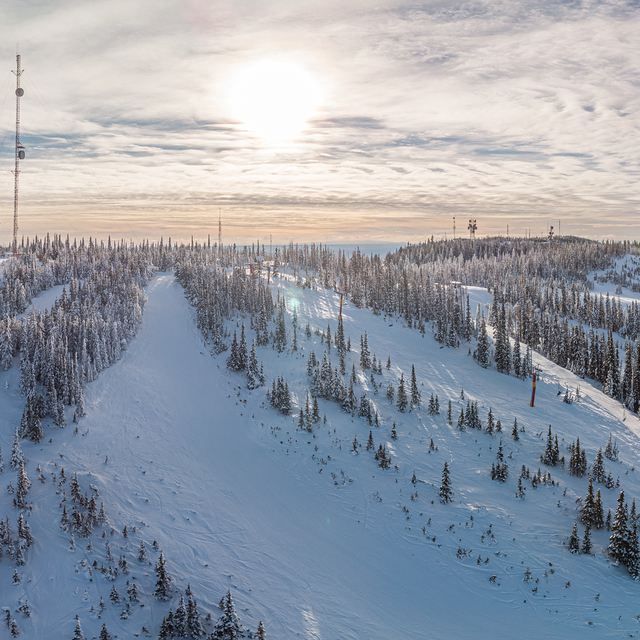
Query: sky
x: 322, y: 120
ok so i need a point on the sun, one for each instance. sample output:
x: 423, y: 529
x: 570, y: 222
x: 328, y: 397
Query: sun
x: 274, y: 98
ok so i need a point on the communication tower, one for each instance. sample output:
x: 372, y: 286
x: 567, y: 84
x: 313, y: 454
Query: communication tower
x: 19, y: 154
x: 472, y: 228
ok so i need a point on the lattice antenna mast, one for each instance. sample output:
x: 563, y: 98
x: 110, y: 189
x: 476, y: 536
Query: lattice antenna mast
x: 219, y: 227
x: 19, y: 155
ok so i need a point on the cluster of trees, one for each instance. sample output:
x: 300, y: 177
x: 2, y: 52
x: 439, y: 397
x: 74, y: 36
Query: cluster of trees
x: 624, y: 548
x: 85, y: 331
x: 15, y: 548
x: 578, y: 465
x: 85, y: 515
x: 240, y: 360
x: 219, y: 294
x: 500, y: 469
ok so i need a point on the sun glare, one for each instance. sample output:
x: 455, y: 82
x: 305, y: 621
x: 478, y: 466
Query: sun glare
x: 274, y: 99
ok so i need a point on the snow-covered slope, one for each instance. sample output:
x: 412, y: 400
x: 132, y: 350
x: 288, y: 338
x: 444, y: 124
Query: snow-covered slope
x: 238, y: 499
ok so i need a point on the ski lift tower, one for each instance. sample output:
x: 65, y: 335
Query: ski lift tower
x: 472, y: 229
x: 19, y: 154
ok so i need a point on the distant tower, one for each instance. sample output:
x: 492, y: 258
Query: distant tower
x: 19, y: 154
x: 472, y: 228
x: 219, y: 227
x: 454, y: 227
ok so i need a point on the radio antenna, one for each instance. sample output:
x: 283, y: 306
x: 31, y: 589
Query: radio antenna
x: 19, y: 154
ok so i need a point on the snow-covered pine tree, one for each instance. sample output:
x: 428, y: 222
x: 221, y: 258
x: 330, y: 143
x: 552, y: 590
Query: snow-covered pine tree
x: 233, y: 359
x: 618, y: 541
x: 598, y: 472
x: 195, y: 628
x: 586, y: 541
x: 587, y: 513
x: 370, y: 444
x: 446, y: 494
x: 77, y: 634
x: 550, y: 457
x: 180, y: 619
x: 482, y: 349
x: 598, y: 512
x: 416, y: 400
x: 514, y: 431
x: 365, y: 354
x: 104, y: 634
x: 574, y: 542
x: 390, y: 393
x: 253, y: 371
x: 490, y: 422
x: 402, y: 401
x: 163, y: 580
x: 611, y: 450
x: 16, y: 452
x: 228, y: 626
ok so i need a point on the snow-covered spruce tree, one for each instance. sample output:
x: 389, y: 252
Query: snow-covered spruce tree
x: 17, y: 456
x: 365, y: 354
x: 611, y: 450
x: 104, y: 634
x: 163, y: 580
x: 416, y: 400
x: 598, y: 471
x: 402, y: 401
x: 574, y: 541
x: 77, y: 634
x: 195, y: 628
x: 619, y: 540
x: 228, y: 626
x: 586, y: 540
x: 482, y: 350
x: 180, y: 619
x: 254, y: 378
x: 598, y: 512
x: 280, y: 338
x: 30, y: 424
x: 234, y: 361
x: 446, y: 494
x: 587, y: 513
x: 260, y: 633
x: 552, y: 451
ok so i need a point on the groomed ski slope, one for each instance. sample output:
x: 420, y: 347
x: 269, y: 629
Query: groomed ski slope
x: 235, y: 498
x: 218, y: 496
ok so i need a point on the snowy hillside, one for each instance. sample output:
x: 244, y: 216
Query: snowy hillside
x: 312, y: 538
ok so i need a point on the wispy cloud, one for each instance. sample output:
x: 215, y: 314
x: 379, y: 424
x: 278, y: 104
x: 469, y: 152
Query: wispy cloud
x: 511, y: 112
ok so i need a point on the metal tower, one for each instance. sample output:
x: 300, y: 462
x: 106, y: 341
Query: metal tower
x: 219, y: 227
x: 19, y: 154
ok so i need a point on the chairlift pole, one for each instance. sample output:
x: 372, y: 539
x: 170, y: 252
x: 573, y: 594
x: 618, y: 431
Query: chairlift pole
x: 533, y: 390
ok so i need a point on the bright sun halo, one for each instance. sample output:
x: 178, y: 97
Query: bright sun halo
x: 274, y: 98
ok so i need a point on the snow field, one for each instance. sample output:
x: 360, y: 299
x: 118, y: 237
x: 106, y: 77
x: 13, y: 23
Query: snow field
x: 196, y: 462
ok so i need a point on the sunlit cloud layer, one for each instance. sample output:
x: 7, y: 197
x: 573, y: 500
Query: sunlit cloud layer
x: 513, y: 113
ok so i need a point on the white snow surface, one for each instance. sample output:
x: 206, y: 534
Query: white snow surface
x: 238, y: 499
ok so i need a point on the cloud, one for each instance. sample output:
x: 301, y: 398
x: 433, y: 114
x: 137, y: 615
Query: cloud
x: 500, y: 110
